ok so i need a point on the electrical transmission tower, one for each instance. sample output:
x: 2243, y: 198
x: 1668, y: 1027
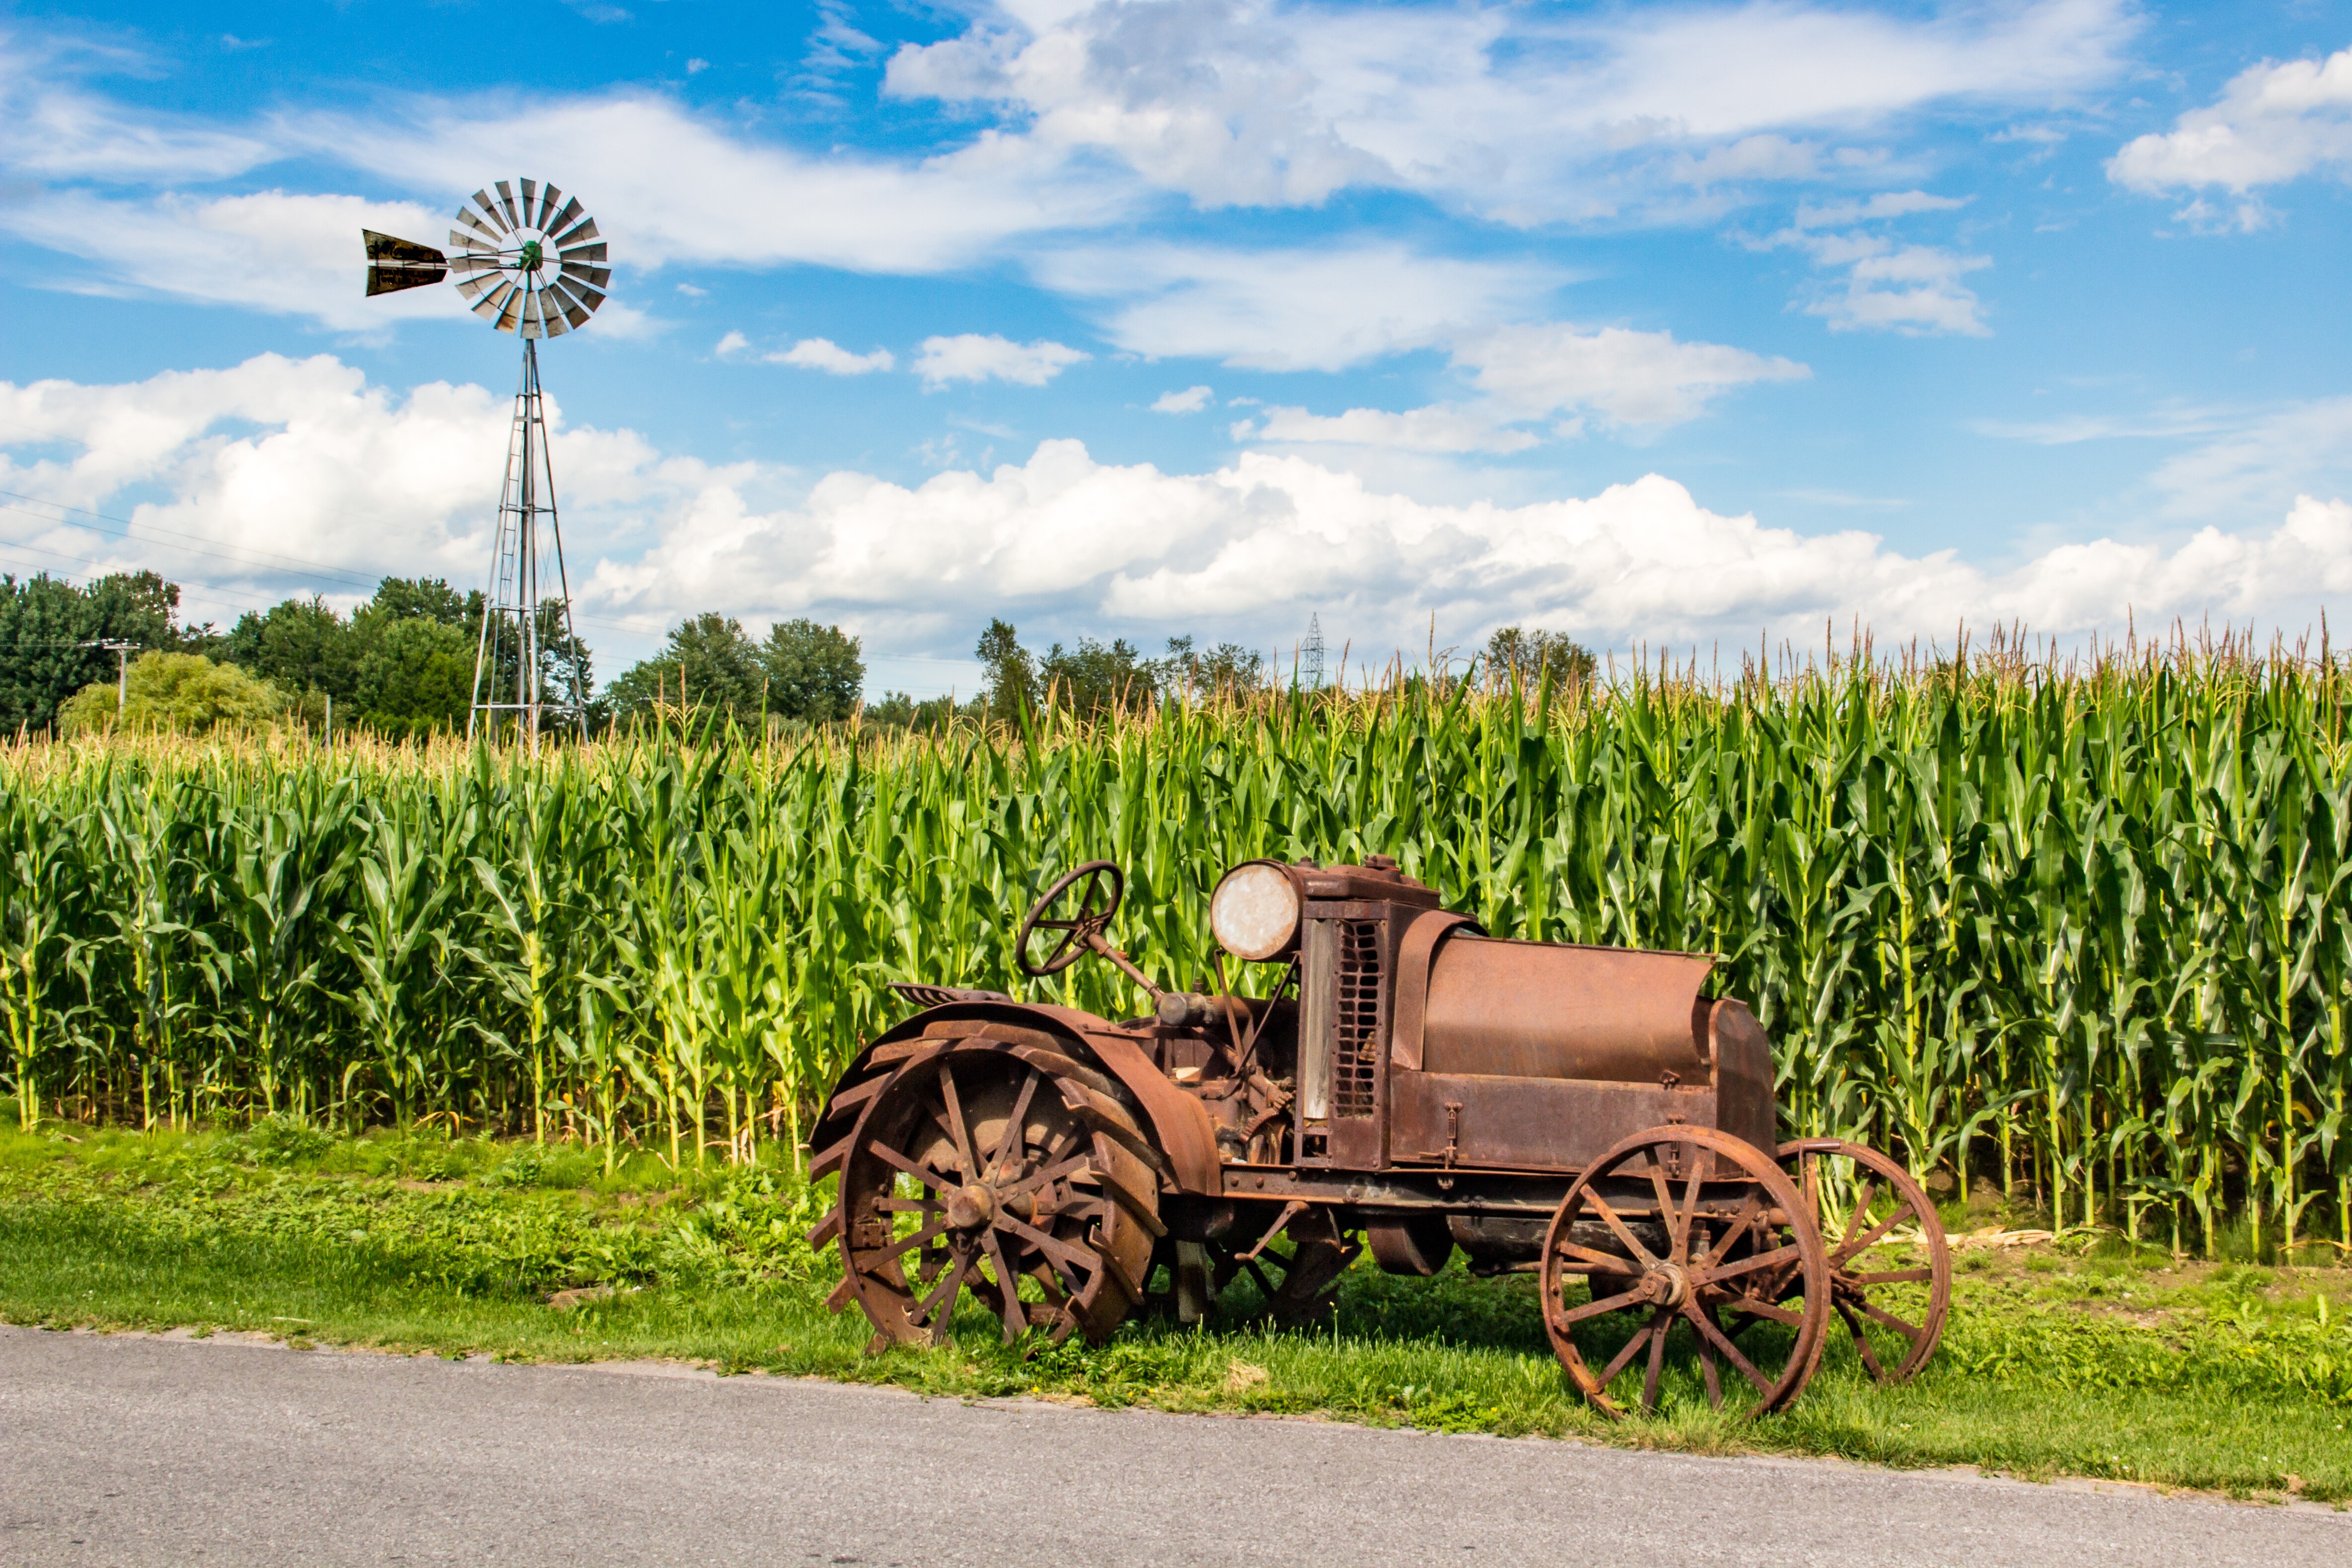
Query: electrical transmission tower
x: 1310, y: 653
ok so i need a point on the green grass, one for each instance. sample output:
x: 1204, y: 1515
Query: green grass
x: 2111, y: 1363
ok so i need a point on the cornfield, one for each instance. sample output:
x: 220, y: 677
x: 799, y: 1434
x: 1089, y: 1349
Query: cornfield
x: 2078, y: 928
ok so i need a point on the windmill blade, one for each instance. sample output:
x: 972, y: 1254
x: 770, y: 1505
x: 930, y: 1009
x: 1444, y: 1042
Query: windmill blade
x: 588, y: 296
x: 460, y: 241
x: 581, y: 235
x: 573, y: 311
x: 551, y: 316
x: 530, y: 202
x: 561, y: 220
x: 595, y: 276
x: 466, y: 265
x: 583, y: 252
x: 493, y: 303
x: 475, y: 287
x: 506, y: 200
x: 489, y: 210
x: 546, y: 207
x: 511, y: 318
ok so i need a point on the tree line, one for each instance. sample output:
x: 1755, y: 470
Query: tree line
x: 401, y: 664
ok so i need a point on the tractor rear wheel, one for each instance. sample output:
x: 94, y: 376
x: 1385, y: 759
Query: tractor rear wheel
x: 1008, y: 1170
x: 1677, y: 1228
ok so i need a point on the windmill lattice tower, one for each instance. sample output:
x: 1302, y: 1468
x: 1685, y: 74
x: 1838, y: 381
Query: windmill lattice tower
x: 533, y: 266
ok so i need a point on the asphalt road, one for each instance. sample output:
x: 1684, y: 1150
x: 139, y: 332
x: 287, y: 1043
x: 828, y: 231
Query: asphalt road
x: 131, y: 1450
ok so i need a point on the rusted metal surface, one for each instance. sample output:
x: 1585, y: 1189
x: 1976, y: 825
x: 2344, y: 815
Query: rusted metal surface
x: 1894, y: 1308
x: 1527, y: 1010
x: 979, y: 1165
x: 1523, y: 1123
x: 1404, y: 1082
x: 1739, y: 1250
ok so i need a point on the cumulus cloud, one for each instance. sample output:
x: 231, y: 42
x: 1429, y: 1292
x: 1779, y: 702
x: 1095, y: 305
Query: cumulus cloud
x: 303, y: 457
x: 974, y: 356
x: 2272, y: 123
x: 277, y: 464
x: 1524, y: 115
x: 824, y: 354
x: 1191, y: 400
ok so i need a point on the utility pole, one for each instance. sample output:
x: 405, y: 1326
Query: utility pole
x: 121, y: 652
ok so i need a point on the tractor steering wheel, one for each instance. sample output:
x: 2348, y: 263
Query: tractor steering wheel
x: 1081, y: 928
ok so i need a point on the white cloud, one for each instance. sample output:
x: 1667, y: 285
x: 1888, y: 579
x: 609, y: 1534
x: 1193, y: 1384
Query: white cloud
x: 1324, y: 309
x: 52, y: 130
x: 2274, y: 122
x: 1191, y: 400
x: 1518, y: 113
x: 668, y: 184
x: 1437, y: 428
x: 277, y: 462
x: 1625, y: 376
x: 2228, y: 462
x: 972, y: 356
x: 733, y: 343
x: 1889, y: 284
x: 1539, y: 371
x: 303, y: 457
x: 275, y: 251
x: 824, y: 354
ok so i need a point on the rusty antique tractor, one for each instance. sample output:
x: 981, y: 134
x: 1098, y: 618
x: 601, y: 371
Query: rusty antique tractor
x: 1412, y: 1085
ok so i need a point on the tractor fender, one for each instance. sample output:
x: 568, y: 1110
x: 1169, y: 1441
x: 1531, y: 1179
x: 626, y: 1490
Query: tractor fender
x: 1178, y: 1125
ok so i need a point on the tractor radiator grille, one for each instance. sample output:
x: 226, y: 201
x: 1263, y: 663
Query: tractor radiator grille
x: 1356, y: 1033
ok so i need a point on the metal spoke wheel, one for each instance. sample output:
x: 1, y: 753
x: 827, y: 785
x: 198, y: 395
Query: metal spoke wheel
x: 1673, y: 1230
x: 1293, y: 1275
x: 1895, y: 1314
x: 1007, y: 1170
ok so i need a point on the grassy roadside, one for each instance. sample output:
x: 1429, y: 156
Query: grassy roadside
x: 2100, y: 1364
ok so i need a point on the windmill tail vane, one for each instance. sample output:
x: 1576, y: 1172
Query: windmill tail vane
x: 531, y: 264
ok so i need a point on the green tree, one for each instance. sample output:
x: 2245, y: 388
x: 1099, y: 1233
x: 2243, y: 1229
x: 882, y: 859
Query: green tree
x: 1528, y: 654
x: 185, y: 694
x: 416, y: 675
x: 419, y: 599
x: 1095, y: 677
x: 48, y: 628
x: 813, y: 671
x: 300, y: 646
x: 1010, y: 678
x: 710, y: 666
x: 1227, y: 667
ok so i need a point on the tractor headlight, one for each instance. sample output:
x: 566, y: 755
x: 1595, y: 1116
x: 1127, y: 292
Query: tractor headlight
x: 1254, y: 912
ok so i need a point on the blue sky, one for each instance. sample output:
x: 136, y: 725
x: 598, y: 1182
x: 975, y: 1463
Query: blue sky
x: 1669, y: 325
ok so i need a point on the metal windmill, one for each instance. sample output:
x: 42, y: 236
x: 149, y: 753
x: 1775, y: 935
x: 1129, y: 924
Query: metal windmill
x: 534, y: 266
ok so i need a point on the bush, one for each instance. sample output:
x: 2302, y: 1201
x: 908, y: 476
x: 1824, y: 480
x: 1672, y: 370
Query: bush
x: 185, y: 694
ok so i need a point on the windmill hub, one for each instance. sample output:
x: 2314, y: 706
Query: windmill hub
x: 529, y: 260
